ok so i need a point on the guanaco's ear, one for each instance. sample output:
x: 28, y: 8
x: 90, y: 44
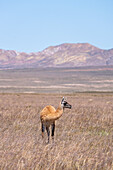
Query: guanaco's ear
x: 62, y: 100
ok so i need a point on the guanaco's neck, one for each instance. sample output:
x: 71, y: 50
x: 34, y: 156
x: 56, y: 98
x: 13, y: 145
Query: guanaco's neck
x: 59, y: 111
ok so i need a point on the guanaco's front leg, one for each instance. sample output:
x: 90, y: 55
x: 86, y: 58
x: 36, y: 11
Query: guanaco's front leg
x: 53, y: 130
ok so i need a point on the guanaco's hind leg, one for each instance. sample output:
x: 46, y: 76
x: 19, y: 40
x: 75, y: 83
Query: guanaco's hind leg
x: 48, y: 132
x: 53, y: 130
x: 43, y: 130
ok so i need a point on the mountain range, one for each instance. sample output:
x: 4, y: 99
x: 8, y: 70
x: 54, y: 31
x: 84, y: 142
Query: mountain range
x: 64, y: 55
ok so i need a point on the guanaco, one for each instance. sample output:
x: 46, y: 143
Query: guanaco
x: 49, y: 115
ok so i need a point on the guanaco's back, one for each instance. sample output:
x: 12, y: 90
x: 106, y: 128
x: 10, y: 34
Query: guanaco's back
x: 47, y: 112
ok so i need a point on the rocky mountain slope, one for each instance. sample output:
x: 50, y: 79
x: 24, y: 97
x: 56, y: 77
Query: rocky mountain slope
x: 64, y: 55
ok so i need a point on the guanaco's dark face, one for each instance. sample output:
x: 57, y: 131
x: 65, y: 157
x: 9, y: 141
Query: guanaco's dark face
x: 65, y: 104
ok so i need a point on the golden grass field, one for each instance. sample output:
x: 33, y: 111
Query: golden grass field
x: 83, y: 136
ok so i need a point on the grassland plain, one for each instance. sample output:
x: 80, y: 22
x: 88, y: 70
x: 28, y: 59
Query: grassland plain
x: 83, y: 137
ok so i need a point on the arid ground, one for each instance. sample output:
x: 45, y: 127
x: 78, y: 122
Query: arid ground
x: 83, y: 136
x: 57, y: 80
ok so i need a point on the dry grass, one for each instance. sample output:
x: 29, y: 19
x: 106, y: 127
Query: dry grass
x: 83, y: 137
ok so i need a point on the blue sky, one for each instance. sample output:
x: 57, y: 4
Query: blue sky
x: 33, y: 25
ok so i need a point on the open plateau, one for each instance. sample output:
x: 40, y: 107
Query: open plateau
x: 57, y: 80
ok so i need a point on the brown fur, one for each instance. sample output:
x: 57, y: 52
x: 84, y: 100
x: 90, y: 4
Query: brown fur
x: 50, y: 114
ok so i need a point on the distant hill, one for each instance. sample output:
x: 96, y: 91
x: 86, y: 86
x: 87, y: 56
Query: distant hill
x: 64, y: 55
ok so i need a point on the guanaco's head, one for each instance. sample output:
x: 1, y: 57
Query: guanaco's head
x: 65, y: 104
